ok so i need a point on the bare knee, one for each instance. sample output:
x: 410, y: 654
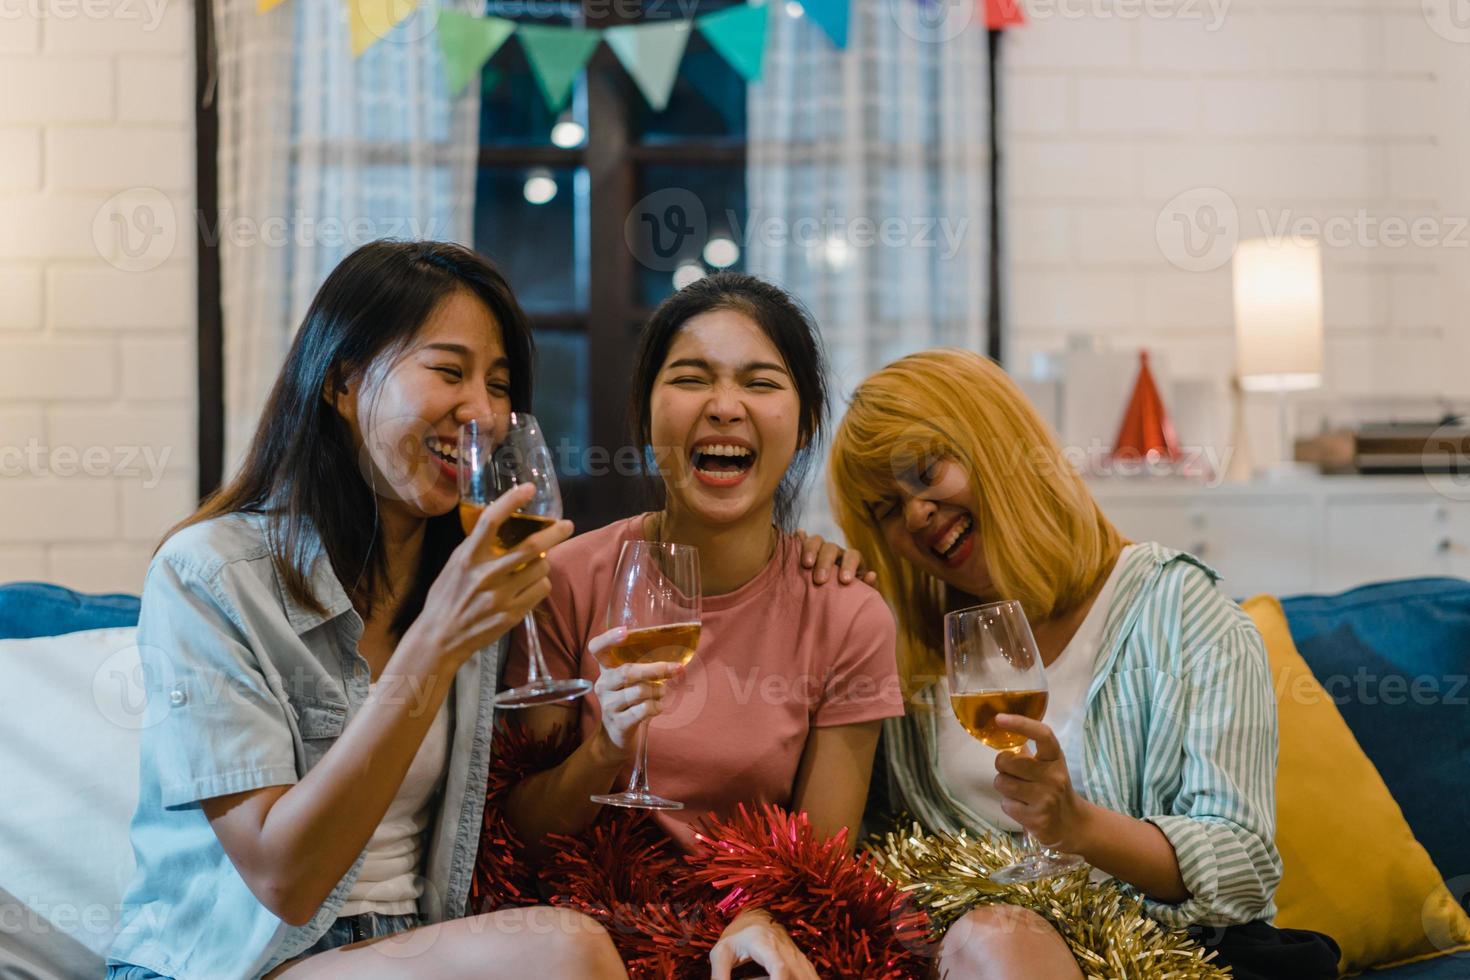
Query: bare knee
x: 559, y: 941
x: 1005, y: 941
x: 586, y: 948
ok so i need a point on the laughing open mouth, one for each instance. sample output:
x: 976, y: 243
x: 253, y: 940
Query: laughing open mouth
x: 722, y: 462
x: 445, y: 449
x: 954, y: 539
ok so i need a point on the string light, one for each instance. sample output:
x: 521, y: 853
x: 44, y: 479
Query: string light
x: 686, y: 273
x: 721, y: 252
x: 540, y: 187
x: 568, y: 133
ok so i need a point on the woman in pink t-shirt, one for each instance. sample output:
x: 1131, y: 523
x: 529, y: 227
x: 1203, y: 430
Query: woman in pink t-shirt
x: 783, y: 701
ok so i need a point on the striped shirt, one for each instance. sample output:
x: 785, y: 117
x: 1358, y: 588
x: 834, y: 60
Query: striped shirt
x: 1180, y: 730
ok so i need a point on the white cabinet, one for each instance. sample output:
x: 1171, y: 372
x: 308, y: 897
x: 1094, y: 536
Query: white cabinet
x: 1393, y: 537
x: 1322, y: 534
x: 1262, y: 546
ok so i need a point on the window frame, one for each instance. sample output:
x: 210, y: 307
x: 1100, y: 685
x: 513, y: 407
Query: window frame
x: 612, y: 157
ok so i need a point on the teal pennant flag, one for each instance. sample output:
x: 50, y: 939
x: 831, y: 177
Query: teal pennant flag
x: 468, y: 42
x: 831, y: 16
x: 739, y: 35
x: 651, y: 53
x: 556, y: 55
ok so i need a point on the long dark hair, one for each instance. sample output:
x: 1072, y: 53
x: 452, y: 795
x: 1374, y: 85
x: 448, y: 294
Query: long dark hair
x: 295, y: 471
x: 790, y: 327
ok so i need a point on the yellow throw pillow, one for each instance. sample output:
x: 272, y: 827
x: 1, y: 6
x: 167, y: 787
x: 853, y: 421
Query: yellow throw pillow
x: 1352, y: 867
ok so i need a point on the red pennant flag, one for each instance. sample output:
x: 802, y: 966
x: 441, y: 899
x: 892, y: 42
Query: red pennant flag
x: 1000, y: 14
x: 1146, y: 432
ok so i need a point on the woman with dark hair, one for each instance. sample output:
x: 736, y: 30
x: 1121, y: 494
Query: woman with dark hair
x: 783, y: 701
x: 321, y: 645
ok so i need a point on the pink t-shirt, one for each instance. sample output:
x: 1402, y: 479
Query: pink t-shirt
x: 777, y: 657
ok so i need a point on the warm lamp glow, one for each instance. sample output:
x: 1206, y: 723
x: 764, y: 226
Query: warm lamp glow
x: 1278, y: 314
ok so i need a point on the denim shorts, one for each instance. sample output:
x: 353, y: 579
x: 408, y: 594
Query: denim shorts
x: 347, y: 929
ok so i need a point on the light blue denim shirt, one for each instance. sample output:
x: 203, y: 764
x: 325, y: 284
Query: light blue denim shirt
x: 247, y: 688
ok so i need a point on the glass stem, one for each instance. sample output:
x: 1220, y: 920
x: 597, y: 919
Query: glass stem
x: 1030, y: 846
x: 536, y: 672
x: 638, y: 782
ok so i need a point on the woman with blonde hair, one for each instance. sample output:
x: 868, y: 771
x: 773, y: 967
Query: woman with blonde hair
x: 1156, y: 761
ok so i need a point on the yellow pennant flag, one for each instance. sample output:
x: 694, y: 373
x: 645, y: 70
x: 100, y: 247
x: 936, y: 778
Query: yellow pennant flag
x: 261, y: 6
x: 371, y: 20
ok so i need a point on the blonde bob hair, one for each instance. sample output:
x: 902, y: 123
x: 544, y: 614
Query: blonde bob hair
x: 1045, y: 541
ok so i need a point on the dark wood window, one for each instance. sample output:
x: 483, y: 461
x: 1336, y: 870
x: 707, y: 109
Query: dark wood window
x: 568, y: 258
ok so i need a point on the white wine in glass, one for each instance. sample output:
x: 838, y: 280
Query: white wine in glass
x: 656, y: 599
x: 489, y: 467
x: 994, y: 668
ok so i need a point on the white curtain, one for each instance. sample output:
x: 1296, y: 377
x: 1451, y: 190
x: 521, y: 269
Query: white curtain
x: 320, y: 152
x: 868, y: 184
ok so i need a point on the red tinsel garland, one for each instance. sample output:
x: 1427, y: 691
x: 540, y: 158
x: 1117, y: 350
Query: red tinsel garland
x: 665, y: 910
x: 503, y: 875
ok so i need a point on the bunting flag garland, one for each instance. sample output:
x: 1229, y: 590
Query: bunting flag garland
x: 1000, y: 14
x: 371, y: 20
x: 739, y: 35
x: 651, y: 53
x: 832, y: 17
x: 556, y: 55
x: 468, y: 42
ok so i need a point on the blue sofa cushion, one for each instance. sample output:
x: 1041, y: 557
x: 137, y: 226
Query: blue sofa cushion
x: 30, y: 609
x: 1395, y: 659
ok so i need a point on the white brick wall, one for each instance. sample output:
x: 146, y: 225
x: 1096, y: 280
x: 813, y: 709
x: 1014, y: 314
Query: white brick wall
x: 97, y: 378
x: 1295, y: 110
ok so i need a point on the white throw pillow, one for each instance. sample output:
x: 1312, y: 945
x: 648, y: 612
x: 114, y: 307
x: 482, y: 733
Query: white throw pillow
x: 71, y: 708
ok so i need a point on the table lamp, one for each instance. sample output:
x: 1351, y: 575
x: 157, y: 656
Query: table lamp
x: 1278, y: 331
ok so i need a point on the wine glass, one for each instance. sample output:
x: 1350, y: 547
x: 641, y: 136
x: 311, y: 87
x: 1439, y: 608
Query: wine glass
x: 487, y: 469
x: 656, y: 599
x: 995, y: 668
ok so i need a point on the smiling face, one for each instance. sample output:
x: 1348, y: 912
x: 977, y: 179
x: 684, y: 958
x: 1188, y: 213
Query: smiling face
x: 405, y: 410
x: 931, y: 520
x: 724, y: 418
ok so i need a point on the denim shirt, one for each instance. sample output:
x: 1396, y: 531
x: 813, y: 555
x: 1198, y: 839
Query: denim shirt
x: 247, y: 688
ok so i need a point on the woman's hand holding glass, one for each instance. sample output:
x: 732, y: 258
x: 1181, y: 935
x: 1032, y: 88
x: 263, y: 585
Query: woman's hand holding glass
x: 994, y: 670
x: 481, y: 593
x: 1037, y: 791
x: 629, y: 695
x: 496, y: 460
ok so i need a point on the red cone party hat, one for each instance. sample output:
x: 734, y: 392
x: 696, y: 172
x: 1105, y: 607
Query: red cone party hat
x: 1146, y: 432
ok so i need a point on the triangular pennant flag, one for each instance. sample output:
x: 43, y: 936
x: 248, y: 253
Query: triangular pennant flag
x: 1000, y: 14
x: 831, y: 16
x: 371, y: 20
x: 739, y: 35
x: 261, y: 6
x: 651, y: 54
x: 556, y: 55
x: 468, y: 42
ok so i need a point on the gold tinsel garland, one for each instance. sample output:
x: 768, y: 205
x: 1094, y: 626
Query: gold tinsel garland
x: 1104, y: 925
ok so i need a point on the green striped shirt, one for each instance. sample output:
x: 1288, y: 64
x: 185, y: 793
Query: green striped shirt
x: 1180, y: 731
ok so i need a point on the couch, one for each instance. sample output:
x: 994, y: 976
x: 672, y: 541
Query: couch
x: 69, y: 757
